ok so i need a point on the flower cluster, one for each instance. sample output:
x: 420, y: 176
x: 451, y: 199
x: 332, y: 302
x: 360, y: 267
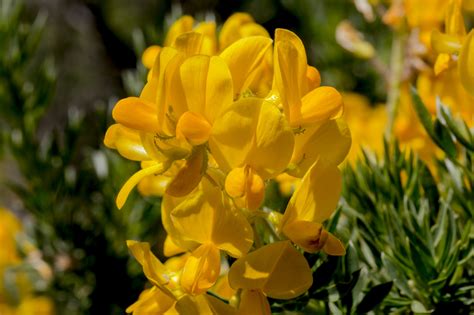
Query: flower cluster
x: 437, y: 57
x: 216, y: 122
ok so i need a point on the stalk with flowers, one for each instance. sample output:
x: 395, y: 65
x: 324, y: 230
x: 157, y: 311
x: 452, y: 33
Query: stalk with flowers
x: 216, y: 122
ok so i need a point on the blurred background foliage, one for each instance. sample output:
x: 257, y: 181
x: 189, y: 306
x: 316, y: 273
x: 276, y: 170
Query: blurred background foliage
x: 64, y: 63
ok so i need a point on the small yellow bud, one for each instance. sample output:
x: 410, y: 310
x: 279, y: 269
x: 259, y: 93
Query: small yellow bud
x: 194, y: 127
x: 149, y: 56
x: 245, y: 184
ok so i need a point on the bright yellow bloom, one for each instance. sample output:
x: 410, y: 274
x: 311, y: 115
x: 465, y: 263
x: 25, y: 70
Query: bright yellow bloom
x: 312, y: 110
x: 209, y: 134
x: 454, y: 45
x: 253, y: 141
x: 166, y: 296
x: 205, y: 223
x: 237, y: 26
x: 184, y: 95
x: 276, y: 270
x: 312, y: 203
x: 367, y: 125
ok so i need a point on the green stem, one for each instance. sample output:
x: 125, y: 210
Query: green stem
x: 395, y: 78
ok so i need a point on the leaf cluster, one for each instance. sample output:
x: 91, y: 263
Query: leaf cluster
x: 411, y: 222
x: 64, y: 179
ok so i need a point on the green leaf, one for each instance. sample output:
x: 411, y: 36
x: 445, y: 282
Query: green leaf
x: 424, y: 268
x: 374, y: 297
x: 436, y: 130
x: 443, y: 139
x: 423, y: 114
x: 429, y: 186
x: 459, y: 129
x: 345, y: 288
x: 323, y: 275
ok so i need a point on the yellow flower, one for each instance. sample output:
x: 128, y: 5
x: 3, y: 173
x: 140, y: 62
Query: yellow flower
x: 174, y: 114
x: 466, y: 63
x: 455, y: 42
x: 313, y: 111
x: 312, y: 203
x: 276, y: 270
x: 253, y: 142
x: 205, y: 223
x: 166, y: 296
x: 367, y: 125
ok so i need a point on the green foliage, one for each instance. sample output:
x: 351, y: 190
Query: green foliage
x: 67, y: 182
x: 411, y: 222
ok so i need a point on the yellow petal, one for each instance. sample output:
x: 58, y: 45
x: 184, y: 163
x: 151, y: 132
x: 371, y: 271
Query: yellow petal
x: 274, y: 142
x: 236, y: 182
x: 189, y: 43
x: 232, y: 233
x: 314, y: 78
x: 466, y: 63
x: 207, y: 84
x: 201, y: 269
x: 282, y: 35
x: 277, y: 269
x: 203, y: 304
x: 255, y: 190
x: 317, y: 196
x: 252, y: 132
x: 154, y: 185
x: 219, y: 88
x: 206, y: 216
x: 312, y: 237
x: 209, y: 44
x: 307, y: 235
x: 222, y: 288
x: 334, y: 246
x: 445, y: 43
x: 245, y: 183
x: 330, y: 141
x: 176, y: 264
x: 230, y: 31
x: 151, y: 301
x: 254, y: 302
x: 170, y: 97
x: 189, y: 176
x: 442, y: 63
x: 468, y: 5
x: 137, y: 114
x: 253, y: 29
x: 290, y: 64
x: 194, y: 128
x: 153, y: 269
x: 180, y: 26
x: 243, y: 57
x: 165, y: 55
x: 170, y: 248
x: 218, y: 307
x: 126, y: 141
x: 454, y: 21
x: 133, y: 181
x: 149, y: 56
x: 150, y: 90
x: 233, y: 133
x: 320, y: 104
